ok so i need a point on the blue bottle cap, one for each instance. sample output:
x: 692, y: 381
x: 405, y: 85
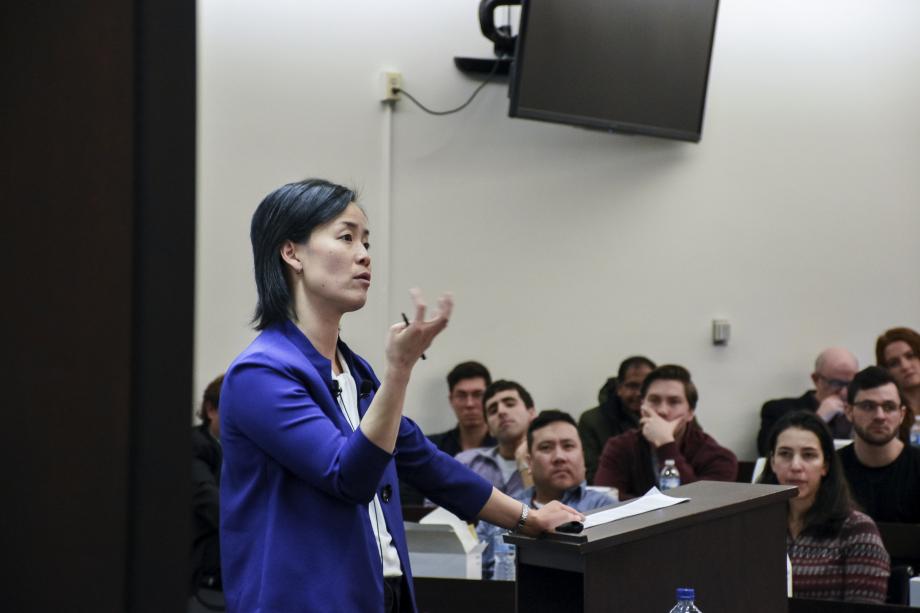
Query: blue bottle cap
x: 686, y: 593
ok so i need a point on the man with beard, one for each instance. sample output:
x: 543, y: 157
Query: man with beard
x: 617, y: 412
x: 508, y: 410
x: 883, y: 472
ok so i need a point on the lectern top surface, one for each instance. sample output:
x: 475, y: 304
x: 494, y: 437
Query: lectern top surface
x: 708, y: 500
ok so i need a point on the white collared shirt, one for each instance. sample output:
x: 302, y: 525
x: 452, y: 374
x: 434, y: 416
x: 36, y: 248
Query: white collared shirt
x: 348, y: 403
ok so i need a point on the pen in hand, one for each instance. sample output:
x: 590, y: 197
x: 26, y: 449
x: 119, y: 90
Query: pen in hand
x: 406, y: 321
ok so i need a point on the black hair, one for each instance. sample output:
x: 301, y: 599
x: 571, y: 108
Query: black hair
x: 502, y: 385
x: 870, y: 378
x: 832, y: 503
x: 634, y: 361
x: 467, y: 370
x: 673, y: 372
x: 546, y: 418
x: 290, y: 213
x: 211, y: 396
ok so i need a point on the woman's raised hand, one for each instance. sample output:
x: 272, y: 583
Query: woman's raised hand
x: 407, y: 342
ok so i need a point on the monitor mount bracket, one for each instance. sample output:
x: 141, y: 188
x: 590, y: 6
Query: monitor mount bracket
x: 503, y: 41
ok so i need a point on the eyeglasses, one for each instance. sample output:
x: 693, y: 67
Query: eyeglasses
x: 837, y: 384
x: 871, y: 406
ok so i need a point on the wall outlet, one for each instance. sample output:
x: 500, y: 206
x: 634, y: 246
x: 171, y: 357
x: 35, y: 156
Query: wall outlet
x: 392, y: 82
x: 721, y: 331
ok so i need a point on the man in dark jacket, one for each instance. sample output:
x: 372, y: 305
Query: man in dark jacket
x: 466, y: 383
x: 834, y: 369
x: 618, y: 410
x: 206, y: 461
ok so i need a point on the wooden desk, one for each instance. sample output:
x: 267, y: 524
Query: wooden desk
x: 728, y: 542
x: 467, y: 595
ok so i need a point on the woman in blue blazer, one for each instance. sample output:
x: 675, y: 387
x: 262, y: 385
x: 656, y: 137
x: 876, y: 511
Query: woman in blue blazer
x: 314, y: 444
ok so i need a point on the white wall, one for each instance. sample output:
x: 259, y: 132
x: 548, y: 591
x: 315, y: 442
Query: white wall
x: 796, y: 217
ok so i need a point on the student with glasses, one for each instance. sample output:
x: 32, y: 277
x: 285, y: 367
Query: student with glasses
x: 619, y: 401
x: 834, y: 369
x: 883, y: 472
x: 835, y: 550
x: 466, y: 384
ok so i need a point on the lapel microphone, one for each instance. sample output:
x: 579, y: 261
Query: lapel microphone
x: 367, y: 386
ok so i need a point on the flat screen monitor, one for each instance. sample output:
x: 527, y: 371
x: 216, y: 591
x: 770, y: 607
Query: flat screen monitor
x: 636, y: 66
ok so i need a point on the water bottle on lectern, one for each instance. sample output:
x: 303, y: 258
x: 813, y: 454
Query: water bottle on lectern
x: 669, y: 477
x: 685, y: 597
x: 504, y: 560
x: 915, y: 432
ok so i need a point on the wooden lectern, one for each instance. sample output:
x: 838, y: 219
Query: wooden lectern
x: 728, y: 542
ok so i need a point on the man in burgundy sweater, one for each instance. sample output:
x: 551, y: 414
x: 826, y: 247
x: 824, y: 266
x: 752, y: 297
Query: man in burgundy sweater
x: 631, y: 461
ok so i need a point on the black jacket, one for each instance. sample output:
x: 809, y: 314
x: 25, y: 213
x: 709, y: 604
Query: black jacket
x: 772, y: 410
x: 206, y: 461
x: 596, y: 425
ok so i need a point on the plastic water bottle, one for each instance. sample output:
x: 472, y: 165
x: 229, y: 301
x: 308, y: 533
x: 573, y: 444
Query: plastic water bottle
x: 669, y: 477
x: 685, y: 596
x: 915, y: 432
x: 504, y: 560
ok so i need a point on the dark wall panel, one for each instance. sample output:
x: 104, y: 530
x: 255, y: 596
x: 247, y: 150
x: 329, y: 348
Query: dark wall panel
x: 67, y: 142
x: 165, y: 266
x: 88, y: 418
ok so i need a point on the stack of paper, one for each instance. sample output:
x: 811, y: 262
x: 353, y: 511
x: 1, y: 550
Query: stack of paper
x: 652, y: 501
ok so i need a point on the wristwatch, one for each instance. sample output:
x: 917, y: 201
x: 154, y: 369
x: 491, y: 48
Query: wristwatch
x: 525, y: 510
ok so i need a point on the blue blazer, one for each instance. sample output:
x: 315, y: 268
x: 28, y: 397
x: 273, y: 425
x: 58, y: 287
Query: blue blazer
x: 296, y: 481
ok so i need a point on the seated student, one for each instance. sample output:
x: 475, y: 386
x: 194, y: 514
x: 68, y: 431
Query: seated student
x: 556, y: 459
x: 508, y: 409
x: 631, y: 461
x: 898, y: 351
x: 206, y: 462
x: 883, y: 472
x: 466, y: 384
x: 617, y: 412
x: 834, y: 369
x: 836, y: 551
